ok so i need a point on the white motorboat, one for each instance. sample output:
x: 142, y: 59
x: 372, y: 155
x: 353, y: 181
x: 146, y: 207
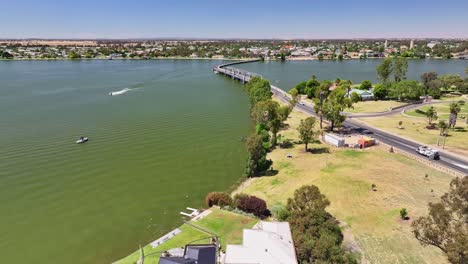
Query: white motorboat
x: 119, y: 92
x: 82, y: 140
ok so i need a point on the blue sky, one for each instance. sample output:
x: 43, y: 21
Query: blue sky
x: 233, y: 19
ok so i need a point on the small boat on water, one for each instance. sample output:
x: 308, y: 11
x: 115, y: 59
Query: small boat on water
x: 119, y: 92
x: 82, y: 140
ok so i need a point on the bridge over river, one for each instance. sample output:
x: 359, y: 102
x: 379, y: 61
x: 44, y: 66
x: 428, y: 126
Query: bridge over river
x: 447, y: 160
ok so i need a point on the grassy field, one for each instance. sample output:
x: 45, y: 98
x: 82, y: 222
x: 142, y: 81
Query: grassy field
x: 345, y: 176
x: 443, y: 111
x: 373, y: 106
x: 414, y: 127
x: 227, y: 225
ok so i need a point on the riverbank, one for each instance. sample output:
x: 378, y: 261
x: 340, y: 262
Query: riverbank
x: 124, y: 59
x: 345, y: 176
x: 206, y: 58
x: 228, y: 226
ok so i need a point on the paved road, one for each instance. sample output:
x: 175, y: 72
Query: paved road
x: 446, y: 159
x: 391, y: 112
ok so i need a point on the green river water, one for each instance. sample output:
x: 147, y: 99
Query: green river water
x: 153, y: 151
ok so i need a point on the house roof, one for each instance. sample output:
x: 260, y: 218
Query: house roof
x: 270, y: 243
x: 194, y: 254
x: 361, y: 92
x: 176, y: 260
x: 203, y: 254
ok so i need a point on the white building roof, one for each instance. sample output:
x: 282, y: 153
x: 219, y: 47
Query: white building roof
x: 268, y: 243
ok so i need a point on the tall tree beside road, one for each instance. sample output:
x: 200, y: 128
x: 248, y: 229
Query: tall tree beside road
x: 320, y: 96
x: 446, y: 225
x: 334, y: 105
x: 385, y: 69
x: 454, y: 110
x: 431, y: 114
x: 400, y: 68
x: 259, y: 90
x: 306, y: 130
x: 443, y: 126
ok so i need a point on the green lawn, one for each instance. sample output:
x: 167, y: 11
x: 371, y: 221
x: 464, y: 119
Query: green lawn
x: 227, y: 225
x: 373, y: 106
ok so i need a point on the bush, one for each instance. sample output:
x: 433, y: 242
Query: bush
x: 251, y: 204
x: 355, y: 97
x: 280, y: 212
x: 365, y: 85
x: 403, y: 213
x: 218, y: 198
x: 380, y: 92
x: 435, y: 93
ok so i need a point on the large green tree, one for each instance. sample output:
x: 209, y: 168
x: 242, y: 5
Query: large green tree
x: 267, y: 113
x: 257, y: 162
x: 317, y: 236
x: 259, y: 89
x: 306, y: 130
x: 400, y: 69
x: 446, y: 225
x: 385, y: 69
x: 308, y: 197
x: 406, y: 90
x: 320, y: 96
x: 451, y: 80
x: 334, y: 106
x: 365, y: 85
x: 428, y: 77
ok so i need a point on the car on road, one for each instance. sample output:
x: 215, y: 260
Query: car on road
x: 428, y: 152
x: 365, y: 131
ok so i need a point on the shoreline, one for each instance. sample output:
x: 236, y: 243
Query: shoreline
x: 206, y: 58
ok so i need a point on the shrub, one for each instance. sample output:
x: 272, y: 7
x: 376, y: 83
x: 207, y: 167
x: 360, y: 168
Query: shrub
x: 403, y: 213
x: 355, y: 97
x: 218, y: 198
x: 380, y: 92
x: 366, y: 85
x: 280, y: 212
x: 251, y: 204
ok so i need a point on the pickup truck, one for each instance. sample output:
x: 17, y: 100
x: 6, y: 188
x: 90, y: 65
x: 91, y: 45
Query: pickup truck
x: 428, y: 152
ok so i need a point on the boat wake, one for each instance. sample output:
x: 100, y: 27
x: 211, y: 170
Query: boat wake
x: 119, y: 92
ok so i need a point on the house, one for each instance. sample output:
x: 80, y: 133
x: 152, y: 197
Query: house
x: 266, y: 243
x: 365, y: 95
x: 193, y: 254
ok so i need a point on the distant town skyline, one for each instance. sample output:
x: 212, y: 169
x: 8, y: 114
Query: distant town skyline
x: 242, y: 19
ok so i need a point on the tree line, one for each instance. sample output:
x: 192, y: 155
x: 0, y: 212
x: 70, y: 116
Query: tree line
x: 269, y: 117
x: 402, y: 89
x: 330, y: 98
